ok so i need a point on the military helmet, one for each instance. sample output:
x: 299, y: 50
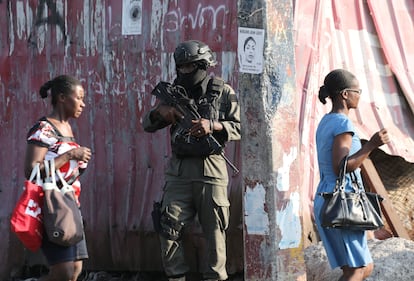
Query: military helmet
x: 192, y: 51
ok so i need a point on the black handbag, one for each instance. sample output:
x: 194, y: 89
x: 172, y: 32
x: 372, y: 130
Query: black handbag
x: 357, y: 210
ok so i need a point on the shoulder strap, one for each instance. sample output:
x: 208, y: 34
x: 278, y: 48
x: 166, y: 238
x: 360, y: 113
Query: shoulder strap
x: 215, y: 85
x: 58, y: 133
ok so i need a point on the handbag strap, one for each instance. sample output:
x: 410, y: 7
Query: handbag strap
x: 341, y: 179
x: 65, y: 186
x: 356, y: 182
x: 50, y: 171
x: 36, y: 173
x: 51, y: 177
x: 342, y: 171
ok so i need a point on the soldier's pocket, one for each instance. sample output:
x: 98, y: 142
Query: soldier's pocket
x: 223, y: 206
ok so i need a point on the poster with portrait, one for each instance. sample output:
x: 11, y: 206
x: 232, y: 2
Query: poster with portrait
x: 131, y: 17
x: 250, y: 50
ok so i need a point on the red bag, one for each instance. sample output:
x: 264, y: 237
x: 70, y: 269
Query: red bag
x: 27, y: 220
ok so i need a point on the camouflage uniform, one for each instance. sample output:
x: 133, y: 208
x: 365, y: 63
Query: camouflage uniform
x: 198, y: 185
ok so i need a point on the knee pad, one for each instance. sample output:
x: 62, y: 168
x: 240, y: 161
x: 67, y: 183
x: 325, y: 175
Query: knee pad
x: 171, y: 228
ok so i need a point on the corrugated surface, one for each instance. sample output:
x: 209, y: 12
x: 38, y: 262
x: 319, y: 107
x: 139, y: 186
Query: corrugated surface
x: 41, y: 39
x: 373, y: 39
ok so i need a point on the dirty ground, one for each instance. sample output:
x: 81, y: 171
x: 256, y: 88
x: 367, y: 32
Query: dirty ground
x: 32, y: 273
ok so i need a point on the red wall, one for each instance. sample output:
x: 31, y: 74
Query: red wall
x: 44, y: 38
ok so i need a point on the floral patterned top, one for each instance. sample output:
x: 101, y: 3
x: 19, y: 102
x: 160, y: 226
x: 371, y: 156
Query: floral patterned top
x: 45, y: 134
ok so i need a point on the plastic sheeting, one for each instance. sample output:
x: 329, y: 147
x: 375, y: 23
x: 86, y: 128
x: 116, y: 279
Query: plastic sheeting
x: 374, y: 40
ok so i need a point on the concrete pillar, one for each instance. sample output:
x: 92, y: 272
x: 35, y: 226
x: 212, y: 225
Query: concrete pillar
x: 273, y: 239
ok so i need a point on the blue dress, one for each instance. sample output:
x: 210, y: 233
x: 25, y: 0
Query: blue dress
x: 343, y: 247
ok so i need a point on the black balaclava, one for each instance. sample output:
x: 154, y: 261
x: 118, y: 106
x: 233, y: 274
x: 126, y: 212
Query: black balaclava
x: 190, y: 80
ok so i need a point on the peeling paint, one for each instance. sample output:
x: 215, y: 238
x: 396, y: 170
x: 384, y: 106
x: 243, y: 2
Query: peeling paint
x: 20, y: 20
x: 86, y: 26
x: 29, y: 19
x: 289, y: 223
x: 256, y: 218
x: 11, y: 31
x: 287, y: 100
x: 228, y: 61
x: 157, y: 20
x: 283, y: 173
x: 59, y: 32
x: 40, y: 35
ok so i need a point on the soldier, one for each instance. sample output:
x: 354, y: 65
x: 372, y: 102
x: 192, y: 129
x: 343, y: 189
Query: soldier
x: 196, y: 177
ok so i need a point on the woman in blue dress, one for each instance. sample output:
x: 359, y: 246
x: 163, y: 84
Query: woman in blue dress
x: 335, y: 138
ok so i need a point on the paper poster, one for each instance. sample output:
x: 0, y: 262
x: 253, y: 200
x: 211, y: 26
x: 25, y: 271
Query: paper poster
x: 131, y: 17
x: 255, y: 216
x: 250, y: 50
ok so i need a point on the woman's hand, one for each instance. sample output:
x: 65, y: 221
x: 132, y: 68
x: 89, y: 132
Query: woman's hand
x: 379, y: 138
x: 80, y: 154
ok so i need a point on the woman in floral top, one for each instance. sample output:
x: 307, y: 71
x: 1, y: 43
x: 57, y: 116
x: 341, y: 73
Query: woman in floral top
x: 51, y: 137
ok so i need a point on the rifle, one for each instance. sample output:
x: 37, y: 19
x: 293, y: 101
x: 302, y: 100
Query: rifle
x: 176, y: 96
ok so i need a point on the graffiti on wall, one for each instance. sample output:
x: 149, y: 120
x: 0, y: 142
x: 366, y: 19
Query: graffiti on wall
x: 53, y: 16
x: 124, y: 72
x: 47, y: 13
x: 5, y: 103
x: 177, y: 19
x: 211, y: 22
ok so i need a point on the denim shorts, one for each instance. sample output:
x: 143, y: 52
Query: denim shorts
x: 56, y: 254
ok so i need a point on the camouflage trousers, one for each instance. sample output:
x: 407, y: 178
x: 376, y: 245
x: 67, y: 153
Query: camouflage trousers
x: 182, y: 201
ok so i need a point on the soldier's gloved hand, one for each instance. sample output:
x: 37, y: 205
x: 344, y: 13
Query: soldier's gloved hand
x: 167, y: 113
